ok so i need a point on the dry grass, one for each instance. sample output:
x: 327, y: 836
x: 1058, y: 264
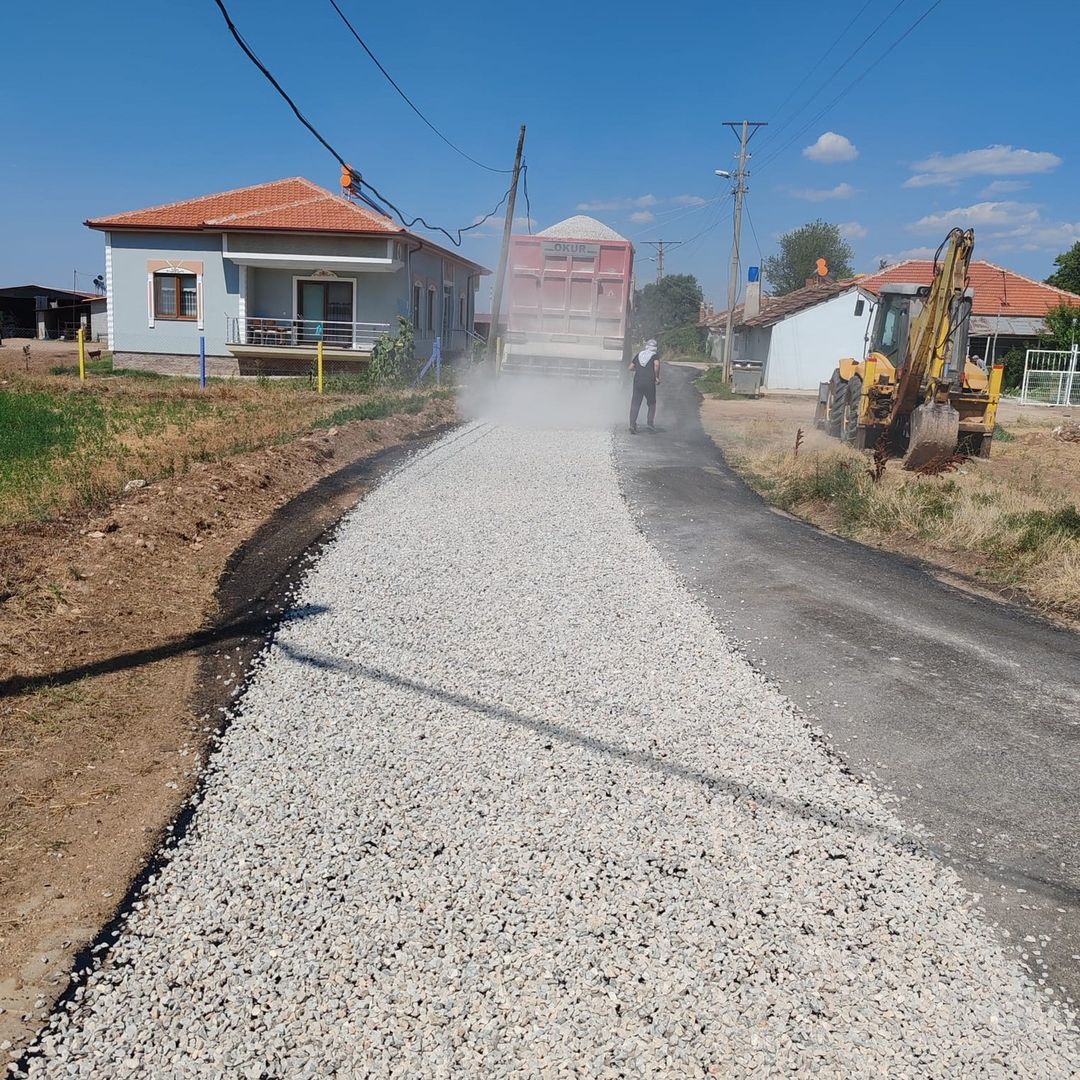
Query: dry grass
x: 67, y: 443
x: 1012, y: 520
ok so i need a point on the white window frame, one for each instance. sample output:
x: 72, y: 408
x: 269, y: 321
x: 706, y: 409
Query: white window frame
x: 174, y: 268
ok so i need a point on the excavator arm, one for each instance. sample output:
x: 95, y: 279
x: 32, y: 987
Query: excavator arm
x: 923, y: 390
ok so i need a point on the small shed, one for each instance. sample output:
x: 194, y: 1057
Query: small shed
x: 45, y: 313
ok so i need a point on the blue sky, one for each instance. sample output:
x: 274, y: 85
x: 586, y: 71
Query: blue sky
x: 138, y: 102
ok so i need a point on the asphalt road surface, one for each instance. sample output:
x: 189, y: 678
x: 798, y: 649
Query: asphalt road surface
x: 966, y: 709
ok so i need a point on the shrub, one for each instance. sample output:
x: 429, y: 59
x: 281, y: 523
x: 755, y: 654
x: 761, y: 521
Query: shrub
x: 714, y: 383
x: 1014, y: 369
x: 393, y: 359
x: 684, y: 341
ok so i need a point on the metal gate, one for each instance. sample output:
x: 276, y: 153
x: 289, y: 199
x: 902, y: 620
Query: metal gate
x: 1051, y: 377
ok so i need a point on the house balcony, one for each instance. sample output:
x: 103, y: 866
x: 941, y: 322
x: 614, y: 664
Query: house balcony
x: 255, y: 338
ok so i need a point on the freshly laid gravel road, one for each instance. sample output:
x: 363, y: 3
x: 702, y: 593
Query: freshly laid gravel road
x: 502, y: 801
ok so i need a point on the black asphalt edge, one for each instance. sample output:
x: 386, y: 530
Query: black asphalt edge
x: 253, y: 594
x: 986, y: 592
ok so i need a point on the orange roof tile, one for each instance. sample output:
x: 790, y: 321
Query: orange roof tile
x: 997, y: 291
x: 291, y: 205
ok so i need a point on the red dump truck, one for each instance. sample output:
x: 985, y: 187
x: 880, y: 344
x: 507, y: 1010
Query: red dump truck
x: 570, y: 289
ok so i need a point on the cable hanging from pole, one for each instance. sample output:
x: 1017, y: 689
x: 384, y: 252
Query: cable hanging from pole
x: 405, y: 97
x: 358, y: 183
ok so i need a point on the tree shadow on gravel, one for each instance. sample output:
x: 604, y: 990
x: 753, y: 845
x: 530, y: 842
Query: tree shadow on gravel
x: 751, y: 794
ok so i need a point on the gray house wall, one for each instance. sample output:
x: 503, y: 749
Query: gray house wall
x: 99, y: 321
x: 221, y: 290
x: 173, y: 344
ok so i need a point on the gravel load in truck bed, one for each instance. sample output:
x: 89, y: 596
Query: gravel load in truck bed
x: 580, y: 227
x: 501, y: 800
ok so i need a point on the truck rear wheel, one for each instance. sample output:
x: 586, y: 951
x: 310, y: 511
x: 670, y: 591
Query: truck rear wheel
x: 850, y: 428
x: 834, y: 419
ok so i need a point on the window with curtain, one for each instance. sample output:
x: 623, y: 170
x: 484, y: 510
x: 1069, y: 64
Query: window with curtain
x: 447, y: 309
x: 416, y: 293
x: 175, y: 296
x: 431, y: 309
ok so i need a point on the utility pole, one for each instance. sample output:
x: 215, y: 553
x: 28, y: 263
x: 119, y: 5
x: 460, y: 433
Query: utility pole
x: 496, y: 304
x: 749, y: 127
x: 660, y: 245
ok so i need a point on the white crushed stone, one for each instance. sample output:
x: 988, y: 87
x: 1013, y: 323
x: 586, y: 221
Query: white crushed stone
x: 504, y: 802
x: 581, y: 227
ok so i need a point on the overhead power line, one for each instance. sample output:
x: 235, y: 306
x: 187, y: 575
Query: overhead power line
x: 840, y: 67
x: 820, y: 60
x: 359, y: 182
x: 525, y: 192
x: 405, y: 97
x: 873, y: 66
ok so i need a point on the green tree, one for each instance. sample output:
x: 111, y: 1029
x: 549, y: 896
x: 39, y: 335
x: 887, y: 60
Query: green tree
x: 799, y: 252
x: 1063, y: 326
x: 668, y: 310
x: 1067, y: 274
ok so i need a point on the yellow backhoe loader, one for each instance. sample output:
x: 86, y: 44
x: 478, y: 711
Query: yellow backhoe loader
x: 917, y: 394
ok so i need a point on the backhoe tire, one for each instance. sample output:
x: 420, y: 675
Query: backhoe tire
x: 850, y: 426
x: 834, y: 418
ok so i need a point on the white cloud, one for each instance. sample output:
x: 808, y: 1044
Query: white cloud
x: 853, y: 230
x: 841, y: 191
x: 980, y: 214
x: 948, y: 170
x: 1037, y: 237
x: 689, y: 200
x: 1003, y: 187
x: 619, y: 204
x: 831, y: 148
x: 523, y: 222
x: 642, y: 216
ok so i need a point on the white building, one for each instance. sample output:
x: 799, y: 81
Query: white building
x: 801, y: 336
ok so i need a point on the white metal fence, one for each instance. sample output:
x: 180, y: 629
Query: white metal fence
x: 1051, y: 377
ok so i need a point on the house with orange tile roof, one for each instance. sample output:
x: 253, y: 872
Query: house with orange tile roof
x: 800, y: 336
x: 263, y: 273
x: 1007, y: 309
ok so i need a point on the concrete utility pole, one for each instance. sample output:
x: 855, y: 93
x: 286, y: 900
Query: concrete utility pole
x: 496, y: 304
x: 749, y: 127
x: 660, y: 245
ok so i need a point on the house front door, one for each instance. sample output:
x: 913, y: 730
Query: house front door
x: 329, y: 303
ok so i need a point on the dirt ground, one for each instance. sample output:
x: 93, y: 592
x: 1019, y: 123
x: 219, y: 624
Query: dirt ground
x: 43, y: 354
x: 102, y: 617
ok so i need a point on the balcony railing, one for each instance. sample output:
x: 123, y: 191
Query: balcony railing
x: 303, y: 333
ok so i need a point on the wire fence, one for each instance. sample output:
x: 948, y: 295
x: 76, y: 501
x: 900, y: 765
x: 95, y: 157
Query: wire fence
x: 1051, y: 377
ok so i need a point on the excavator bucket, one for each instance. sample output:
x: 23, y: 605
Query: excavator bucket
x: 935, y: 432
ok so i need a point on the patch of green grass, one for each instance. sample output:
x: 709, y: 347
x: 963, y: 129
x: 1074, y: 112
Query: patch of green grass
x: 715, y: 385
x: 1038, y: 527
x: 378, y: 408
x: 103, y: 366
x: 1002, y: 435
x: 840, y: 484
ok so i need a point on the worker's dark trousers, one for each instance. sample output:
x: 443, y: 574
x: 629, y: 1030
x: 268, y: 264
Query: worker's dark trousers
x: 648, y: 393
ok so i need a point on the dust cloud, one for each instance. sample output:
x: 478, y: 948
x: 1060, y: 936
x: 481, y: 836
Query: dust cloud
x: 546, y: 402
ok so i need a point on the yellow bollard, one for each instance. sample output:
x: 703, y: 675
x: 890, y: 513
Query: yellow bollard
x: 82, y: 354
x: 318, y: 365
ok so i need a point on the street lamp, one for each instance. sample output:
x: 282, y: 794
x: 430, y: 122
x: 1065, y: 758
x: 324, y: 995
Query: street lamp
x: 722, y: 173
